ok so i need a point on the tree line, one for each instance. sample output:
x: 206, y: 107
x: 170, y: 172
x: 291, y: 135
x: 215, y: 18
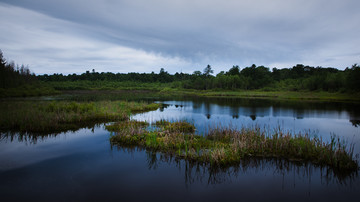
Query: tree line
x: 12, y: 76
x: 296, y: 78
x: 299, y: 77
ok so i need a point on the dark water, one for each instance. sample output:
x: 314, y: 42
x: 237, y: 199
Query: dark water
x: 83, y: 166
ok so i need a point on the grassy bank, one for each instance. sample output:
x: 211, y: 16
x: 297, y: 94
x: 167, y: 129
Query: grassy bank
x: 285, y: 95
x: 28, y: 91
x: 105, y: 85
x: 225, y: 146
x: 52, y: 88
x: 56, y: 116
x: 291, y: 95
x: 177, y: 89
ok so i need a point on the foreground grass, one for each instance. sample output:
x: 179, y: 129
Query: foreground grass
x: 224, y: 146
x: 56, y: 116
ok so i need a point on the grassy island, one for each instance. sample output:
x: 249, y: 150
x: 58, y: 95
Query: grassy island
x: 225, y: 146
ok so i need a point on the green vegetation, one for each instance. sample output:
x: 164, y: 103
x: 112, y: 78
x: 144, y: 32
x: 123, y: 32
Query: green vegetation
x: 35, y: 89
x: 104, y: 85
x: 179, y: 126
x: 292, y: 95
x: 298, y: 82
x: 297, y: 78
x: 225, y: 146
x: 57, y: 116
x: 18, y: 81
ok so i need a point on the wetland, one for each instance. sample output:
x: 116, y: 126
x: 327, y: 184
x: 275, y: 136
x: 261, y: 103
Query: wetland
x: 84, y: 161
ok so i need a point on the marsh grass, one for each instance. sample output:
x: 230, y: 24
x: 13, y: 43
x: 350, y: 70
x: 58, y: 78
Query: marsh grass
x: 37, y: 89
x: 177, y: 126
x: 55, y: 116
x: 226, y: 146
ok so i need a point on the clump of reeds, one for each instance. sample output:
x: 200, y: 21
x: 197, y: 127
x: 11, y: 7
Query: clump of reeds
x: 143, y: 107
x: 177, y: 126
x: 225, y: 146
x: 121, y: 126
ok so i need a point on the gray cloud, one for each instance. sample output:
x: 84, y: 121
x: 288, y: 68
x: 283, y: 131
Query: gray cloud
x: 182, y: 34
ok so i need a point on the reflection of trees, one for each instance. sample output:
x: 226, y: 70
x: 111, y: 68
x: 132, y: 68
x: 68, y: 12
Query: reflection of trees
x: 33, y: 138
x: 260, y: 107
x: 355, y: 123
x: 208, y: 108
x: 210, y: 174
x: 25, y: 137
x: 253, y: 117
x: 263, y: 107
x: 163, y: 106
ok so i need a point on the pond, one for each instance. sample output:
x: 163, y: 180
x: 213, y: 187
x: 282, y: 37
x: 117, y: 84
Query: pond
x: 82, y: 165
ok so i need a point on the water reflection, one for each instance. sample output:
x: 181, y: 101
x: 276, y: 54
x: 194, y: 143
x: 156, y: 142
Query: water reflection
x: 33, y: 138
x: 194, y: 172
x: 83, y: 166
x: 232, y: 106
x: 355, y: 123
x: 267, y: 107
x: 326, y: 118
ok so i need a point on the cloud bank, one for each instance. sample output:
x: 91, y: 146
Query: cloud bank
x: 180, y: 35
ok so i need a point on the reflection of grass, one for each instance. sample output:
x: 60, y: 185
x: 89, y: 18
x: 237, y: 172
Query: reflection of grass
x: 48, y: 117
x: 224, y: 146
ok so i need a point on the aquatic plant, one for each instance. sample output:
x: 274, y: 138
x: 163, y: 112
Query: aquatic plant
x: 227, y: 146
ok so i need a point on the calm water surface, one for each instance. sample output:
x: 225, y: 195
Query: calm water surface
x: 82, y: 165
x: 322, y: 119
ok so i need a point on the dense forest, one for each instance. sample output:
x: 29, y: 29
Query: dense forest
x: 297, y: 78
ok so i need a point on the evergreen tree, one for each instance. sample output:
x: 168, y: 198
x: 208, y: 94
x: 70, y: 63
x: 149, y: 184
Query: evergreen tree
x: 208, y: 71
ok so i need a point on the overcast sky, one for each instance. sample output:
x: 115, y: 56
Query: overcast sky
x: 72, y: 36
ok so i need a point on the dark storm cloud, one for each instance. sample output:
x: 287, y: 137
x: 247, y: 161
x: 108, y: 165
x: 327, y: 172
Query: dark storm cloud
x: 191, y: 34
